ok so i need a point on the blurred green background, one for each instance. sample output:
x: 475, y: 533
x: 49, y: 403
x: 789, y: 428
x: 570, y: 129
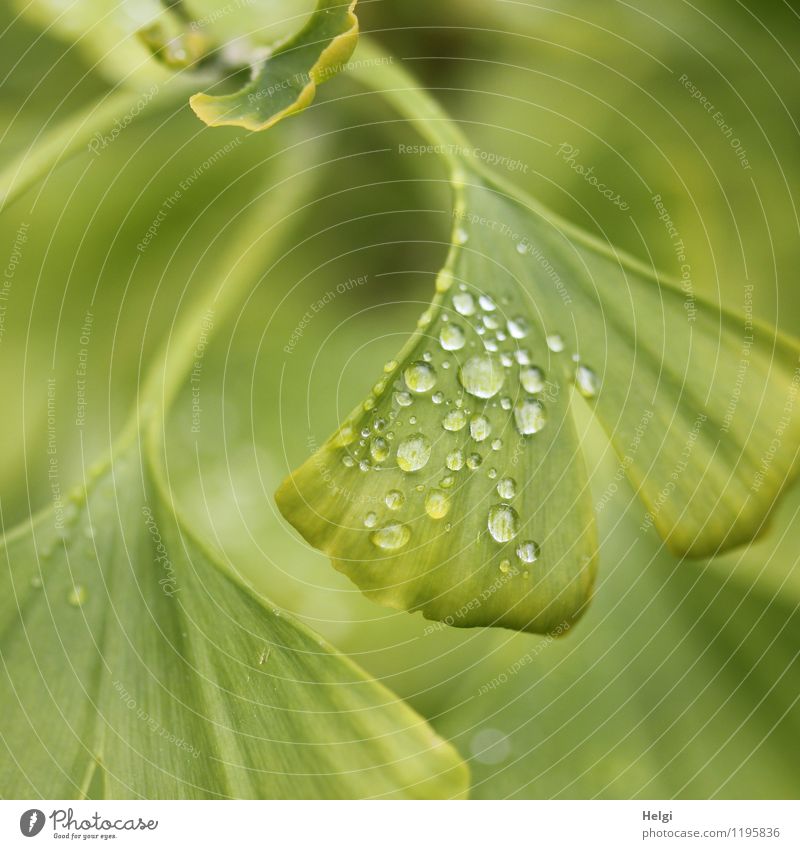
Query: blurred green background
x: 683, y: 679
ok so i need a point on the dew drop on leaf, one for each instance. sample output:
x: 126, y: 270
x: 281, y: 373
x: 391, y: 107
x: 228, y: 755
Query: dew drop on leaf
x: 507, y: 488
x: 395, y: 499
x: 370, y: 520
x: 587, y: 381
x: 454, y: 420
x: 437, y: 504
x: 517, y: 327
x: 379, y: 449
x: 482, y: 376
x: 555, y: 343
x: 532, y: 379
x: 437, y: 397
x: 455, y: 460
x: 474, y: 461
x: 487, y: 303
x: 530, y: 416
x: 403, y: 398
x: 391, y: 538
x: 452, y: 337
x: 413, y: 453
x: 480, y: 428
x: 503, y: 522
x: 420, y: 377
x: 528, y: 552
x: 464, y: 303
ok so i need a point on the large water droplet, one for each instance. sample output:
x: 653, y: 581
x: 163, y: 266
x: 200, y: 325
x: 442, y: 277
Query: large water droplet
x: 480, y: 428
x: 391, y: 538
x: 379, y: 449
x: 528, y: 552
x: 503, y: 522
x: 464, y: 303
x: 455, y: 460
x: 395, y: 499
x: 507, y: 488
x: 532, y: 379
x: 420, y: 377
x: 454, y: 420
x: 518, y: 327
x: 587, y: 381
x: 530, y: 416
x: 437, y: 504
x: 413, y: 453
x: 452, y: 338
x: 482, y: 376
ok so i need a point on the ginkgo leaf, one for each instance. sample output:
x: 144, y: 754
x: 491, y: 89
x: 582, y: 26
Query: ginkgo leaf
x: 286, y: 81
x: 458, y: 487
x: 136, y: 663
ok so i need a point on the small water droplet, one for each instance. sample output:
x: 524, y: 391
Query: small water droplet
x: 370, y: 520
x: 412, y: 420
x: 77, y: 596
x: 523, y: 356
x: 480, y: 428
x: 420, y: 377
x: 390, y: 366
x: 505, y: 566
x: 487, y: 303
x: 452, y: 337
x: 413, y: 453
x: 454, y: 420
x: 464, y: 303
x: 503, y: 522
x: 368, y: 404
x: 403, y: 398
x: 437, y: 397
x: 437, y: 504
x: 532, y: 379
x: 587, y: 381
x: 395, y: 499
x: 522, y: 247
x: 461, y: 236
x: 507, y: 488
x: 455, y: 460
x: 517, y: 327
x: 555, y: 343
x: 348, y: 461
x: 447, y: 482
x: 364, y: 465
x: 379, y: 449
x: 528, y: 552
x: 391, y: 538
x: 530, y: 416
x: 506, y: 360
x: 492, y: 473
x: 474, y: 461
x: 505, y: 403
x: 497, y: 444
x: 491, y: 322
x: 482, y: 376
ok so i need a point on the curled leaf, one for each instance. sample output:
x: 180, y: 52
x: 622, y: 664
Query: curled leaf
x: 286, y: 81
x: 458, y: 488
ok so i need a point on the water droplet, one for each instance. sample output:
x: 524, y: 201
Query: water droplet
x: 378, y: 388
x: 505, y: 566
x: 587, y: 381
x: 505, y: 403
x: 413, y: 453
x: 528, y: 552
x: 555, y: 343
x: 455, y: 460
x: 532, y: 379
x: 447, y: 482
x: 379, y: 424
x: 391, y: 538
x: 517, y: 327
x: 491, y: 322
x: 492, y: 473
x: 503, y: 522
x: 348, y: 461
x: 368, y: 404
x: 437, y: 504
x: 507, y: 488
x: 403, y: 398
x: 454, y: 420
x: 390, y: 366
x: 364, y: 465
x: 461, y: 236
x: 522, y: 247
x: 420, y: 377
x: 452, y: 337
x: 482, y: 376
x: 370, y: 520
x: 412, y: 420
x: 487, y: 303
x: 395, y: 499
x: 379, y: 449
x: 497, y: 444
x: 437, y: 397
x: 530, y: 416
x: 464, y: 303
x: 523, y: 356
x: 480, y: 428
x: 474, y: 461
x: 77, y: 595
x: 490, y: 345
x: 506, y: 360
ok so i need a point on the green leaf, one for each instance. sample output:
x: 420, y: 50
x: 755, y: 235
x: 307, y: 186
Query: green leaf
x: 531, y: 317
x: 286, y: 82
x: 138, y: 664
